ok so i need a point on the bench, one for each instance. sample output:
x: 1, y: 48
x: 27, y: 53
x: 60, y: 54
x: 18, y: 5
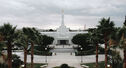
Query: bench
x: 43, y: 66
x: 84, y: 66
x: 22, y: 66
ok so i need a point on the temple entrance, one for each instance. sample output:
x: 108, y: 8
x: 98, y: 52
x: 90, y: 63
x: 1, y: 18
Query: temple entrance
x: 63, y: 42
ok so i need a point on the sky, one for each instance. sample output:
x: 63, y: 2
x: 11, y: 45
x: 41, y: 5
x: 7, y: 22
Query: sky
x: 46, y: 14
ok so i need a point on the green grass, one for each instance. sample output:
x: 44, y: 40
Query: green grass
x: 36, y: 65
x: 92, y: 65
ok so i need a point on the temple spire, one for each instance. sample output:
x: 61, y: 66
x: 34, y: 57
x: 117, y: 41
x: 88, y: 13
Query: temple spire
x: 62, y: 24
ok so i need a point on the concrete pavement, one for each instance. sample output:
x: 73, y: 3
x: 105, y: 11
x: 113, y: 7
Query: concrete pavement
x: 62, y: 56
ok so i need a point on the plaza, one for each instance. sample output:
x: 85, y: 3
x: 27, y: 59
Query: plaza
x: 62, y: 56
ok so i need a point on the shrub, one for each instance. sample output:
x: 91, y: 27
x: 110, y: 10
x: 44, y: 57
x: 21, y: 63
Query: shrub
x: 3, y: 65
x: 101, y: 50
x: 36, y: 52
x: 89, y: 52
x: 64, y: 66
x: 16, y: 61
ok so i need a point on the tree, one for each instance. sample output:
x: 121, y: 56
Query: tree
x: 16, y: 61
x: 113, y: 55
x: 43, y: 42
x: 40, y: 43
x: 95, y: 40
x: 114, y: 38
x: 82, y: 40
x: 106, y: 27
x: 116, y: 60
x: 51, y: 30
x: 47, y: 40
x: 22, y: 41
x: 8, y: 32
x: 32, y: 38
x: 1, y: 45
x: 122, y: 36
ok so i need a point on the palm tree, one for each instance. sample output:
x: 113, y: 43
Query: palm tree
x: 1, y: 39
x: 22, y: 41
x: 40, y: 42
x: 1, y: 46
x: 95, y: 38
x: 122, y: 36
x: 105, y: 27
x: 113, y: 45
x: 32, y: 38
x: 116, y: 60
x: 8, y: 32
x: 119, y: 38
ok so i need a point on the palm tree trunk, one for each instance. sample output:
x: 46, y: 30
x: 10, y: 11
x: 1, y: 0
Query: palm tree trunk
x: 96, y: 54
x: 124, y: 58
x: 32, y: 56
x: 9, y: 47
x: 25, y: 57
x: 3, y: 56
x: 105, y: 52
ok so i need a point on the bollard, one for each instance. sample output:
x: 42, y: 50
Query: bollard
x: 55, y: 53
x: 71, y: 53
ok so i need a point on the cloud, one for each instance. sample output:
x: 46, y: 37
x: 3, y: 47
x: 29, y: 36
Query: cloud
x: 46, y: 14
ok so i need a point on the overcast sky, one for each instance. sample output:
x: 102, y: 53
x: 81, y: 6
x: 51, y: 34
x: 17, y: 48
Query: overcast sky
x: 46, y: 14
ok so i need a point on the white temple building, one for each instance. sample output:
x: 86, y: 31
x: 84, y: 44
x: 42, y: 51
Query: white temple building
x: 62, y: 35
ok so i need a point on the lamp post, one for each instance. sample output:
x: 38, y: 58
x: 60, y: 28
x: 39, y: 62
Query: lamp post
x: 45, y: 55
x: 81, y: 56
x: 110, y: 58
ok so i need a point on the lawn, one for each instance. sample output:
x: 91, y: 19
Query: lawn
x: 92, y: 65
x: 36, y: 65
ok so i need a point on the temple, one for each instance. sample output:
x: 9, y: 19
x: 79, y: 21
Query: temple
x: 63, y: 35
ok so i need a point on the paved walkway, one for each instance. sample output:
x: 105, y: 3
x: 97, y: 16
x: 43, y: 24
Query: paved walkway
x: 62, y: 56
